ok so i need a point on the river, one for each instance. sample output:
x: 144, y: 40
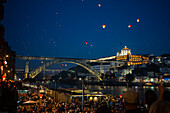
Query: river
x: 114, y: 90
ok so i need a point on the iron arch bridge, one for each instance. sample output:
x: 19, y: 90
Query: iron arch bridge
x: 54, y: 60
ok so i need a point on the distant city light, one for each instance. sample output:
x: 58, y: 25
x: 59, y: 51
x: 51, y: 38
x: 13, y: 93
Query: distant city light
x: 15, y: 77
x: 3, y: 77
x: 95, y: 99
x: 5, y: 62
x: 1, y: 67
x: 91, y: 98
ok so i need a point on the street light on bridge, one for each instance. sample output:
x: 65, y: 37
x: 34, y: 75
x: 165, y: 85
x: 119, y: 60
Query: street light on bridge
x: 82, y: 78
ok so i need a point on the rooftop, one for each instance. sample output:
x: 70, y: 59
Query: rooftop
x: 125, y: 48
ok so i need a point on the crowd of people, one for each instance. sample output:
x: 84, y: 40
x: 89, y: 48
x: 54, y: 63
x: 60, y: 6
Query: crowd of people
x: 8, y: 96
x: 48, y: 105
x: 127, y: 103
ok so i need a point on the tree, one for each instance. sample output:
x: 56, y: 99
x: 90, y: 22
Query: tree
x: 129, y: 78
x: 140, y: 71
x: 79, y: 69
x: 65, y: 75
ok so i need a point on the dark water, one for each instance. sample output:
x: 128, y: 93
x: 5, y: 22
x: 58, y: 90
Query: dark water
x: 114, y: 90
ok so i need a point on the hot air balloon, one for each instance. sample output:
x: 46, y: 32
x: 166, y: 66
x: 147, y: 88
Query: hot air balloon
x: 104, y: 26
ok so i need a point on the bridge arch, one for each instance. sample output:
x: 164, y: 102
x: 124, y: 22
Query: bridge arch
x: 89, y: 68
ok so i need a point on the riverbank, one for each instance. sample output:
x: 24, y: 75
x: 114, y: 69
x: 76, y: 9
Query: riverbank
x: 109, y: 83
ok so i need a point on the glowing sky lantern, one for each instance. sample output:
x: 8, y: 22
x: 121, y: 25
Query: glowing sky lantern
x: 86, y: 42
x: 99, y: 5
x: 129, y: 26
x: 40, y: 95
x: 120, y: 96
x: 104, y: 26
x: 137, y: 20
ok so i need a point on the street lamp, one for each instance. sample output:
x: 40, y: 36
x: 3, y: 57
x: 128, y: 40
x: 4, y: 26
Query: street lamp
x: 55, y: 90
x: 56, y: 94
x: 82, y: 78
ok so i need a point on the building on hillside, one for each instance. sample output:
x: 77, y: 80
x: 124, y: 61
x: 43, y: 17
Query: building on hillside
x: 111, y: 66
x: 163, y: 63
x: 165, y: 58
x: 107, y: 64
x: 130, y: 59
x: 7, y: 60
x: 155, y: 60
x: 7, y: 56
x: 102, y: 68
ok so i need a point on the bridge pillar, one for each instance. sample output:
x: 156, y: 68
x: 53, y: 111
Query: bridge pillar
x: 101, y: 68
x: 27, y: 69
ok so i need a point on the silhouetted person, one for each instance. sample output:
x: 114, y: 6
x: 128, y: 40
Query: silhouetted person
x: 103, y: 109
x: 166, y: 96
x: 150, y: 97
x: 160, y: 106
x: 131, y: 99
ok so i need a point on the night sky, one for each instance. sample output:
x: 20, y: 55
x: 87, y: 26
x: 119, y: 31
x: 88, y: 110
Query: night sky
x: 61, y: 28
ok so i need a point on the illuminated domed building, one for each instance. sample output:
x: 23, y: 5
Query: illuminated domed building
x: 125, y: 55
x: 124, y: 51
x: 116, y: 63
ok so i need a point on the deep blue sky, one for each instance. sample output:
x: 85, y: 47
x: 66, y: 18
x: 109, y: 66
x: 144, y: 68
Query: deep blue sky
x: 61, y: 28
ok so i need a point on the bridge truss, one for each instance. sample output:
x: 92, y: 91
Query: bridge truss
x: 54, y: 60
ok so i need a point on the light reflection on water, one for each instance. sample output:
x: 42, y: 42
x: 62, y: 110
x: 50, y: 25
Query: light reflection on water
x: 114, y: 90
